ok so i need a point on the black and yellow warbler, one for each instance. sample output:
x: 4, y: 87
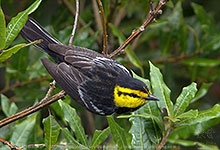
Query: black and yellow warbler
x: 100, y: 84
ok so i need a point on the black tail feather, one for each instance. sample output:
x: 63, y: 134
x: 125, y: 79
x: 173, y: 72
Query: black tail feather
x: 33, y: 31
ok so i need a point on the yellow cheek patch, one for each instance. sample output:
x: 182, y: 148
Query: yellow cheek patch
x: 123, y: 100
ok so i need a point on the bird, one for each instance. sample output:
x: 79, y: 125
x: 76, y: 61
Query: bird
x: 100, y: 84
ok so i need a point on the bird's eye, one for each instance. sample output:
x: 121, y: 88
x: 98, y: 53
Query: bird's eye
x: 134, y: 95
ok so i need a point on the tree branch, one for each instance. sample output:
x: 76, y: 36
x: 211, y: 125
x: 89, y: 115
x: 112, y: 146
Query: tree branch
x: 44, y: 102
x: 75, y: 23
x: 148, y: 21
x: 12, y: 147
x: 105, y: 41
x: 164, y: 140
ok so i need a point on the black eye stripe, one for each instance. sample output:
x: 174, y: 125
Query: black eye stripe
x: 129, y: 94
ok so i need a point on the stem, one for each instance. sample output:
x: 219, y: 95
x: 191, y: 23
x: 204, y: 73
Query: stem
x: 105, y: 41
x: 75, y: 23
x: 12, y: 147
x: 148, y: 21
x: 44, y: 102
x: 164, y: 140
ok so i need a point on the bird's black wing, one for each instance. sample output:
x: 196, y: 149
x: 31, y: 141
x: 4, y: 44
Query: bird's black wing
x: 67, y: 77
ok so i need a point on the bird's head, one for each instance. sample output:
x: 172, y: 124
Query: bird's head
x: 132, y: 93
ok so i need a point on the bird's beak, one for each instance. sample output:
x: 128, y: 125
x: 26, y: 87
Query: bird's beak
x: 151, y: 97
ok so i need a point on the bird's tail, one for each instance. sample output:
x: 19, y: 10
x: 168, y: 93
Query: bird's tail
x: 33, y: 31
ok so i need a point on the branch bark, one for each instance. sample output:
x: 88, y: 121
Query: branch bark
x: 148, y: 21
x: 105, y: 35
x: 44, y: 102
x: 75, y: 23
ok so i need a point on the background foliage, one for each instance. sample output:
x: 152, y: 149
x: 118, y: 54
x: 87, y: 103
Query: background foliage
x: 184, y: 44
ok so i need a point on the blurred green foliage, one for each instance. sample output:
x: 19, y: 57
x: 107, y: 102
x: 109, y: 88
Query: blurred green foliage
x: 184, y: 44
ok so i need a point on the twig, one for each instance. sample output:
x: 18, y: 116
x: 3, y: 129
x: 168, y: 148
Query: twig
x: 105, y: 41
x: 177, y: 58
x: 52, y: 87
x: 20, y: 84
x: 13, y: 147
x: 148, y: 21
x: 32, y: 109
x: 75, y: 23
x: 164, y: 140
x: 151, y: 6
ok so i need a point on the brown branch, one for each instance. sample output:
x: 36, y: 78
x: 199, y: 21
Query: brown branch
x: 105, y: 41
x: 75, y: 23
x: 164, y: 140
x: 151, y: 6
x: 52, y: 87
x: 177, y: 58
x: 12, y: 147
x: 148, y: 21
x: 20, y: 84
x: 32, y: 109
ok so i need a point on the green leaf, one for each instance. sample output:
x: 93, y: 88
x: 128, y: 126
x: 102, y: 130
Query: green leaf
x: 9, y: 52
x: 7, y: 107
x: 52, y: 130
x: 146, y: 81
x: 99, y: 137
x: 33, y: 7
x: 193, y: 143
x: 134, y: 59
x: 144, y: 129
x: 14, y: 27
x: 2, y: 29
x: 195, y: 126
x: 189, y: 114
x: 202, y: 91
x: 150, y: 124
x: 140, y: 138
x: 74, y: 121
x: 22, y: 131
x: 70, y: 139
x: 117, y: 33
x: 169, y: 104
x: 13, y: 109
x: 184, y: 99
x: 160, y: 88
x: 17, y: 23
x: 203, y: 18
x: 212, y: 43
x: 118, y: 133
